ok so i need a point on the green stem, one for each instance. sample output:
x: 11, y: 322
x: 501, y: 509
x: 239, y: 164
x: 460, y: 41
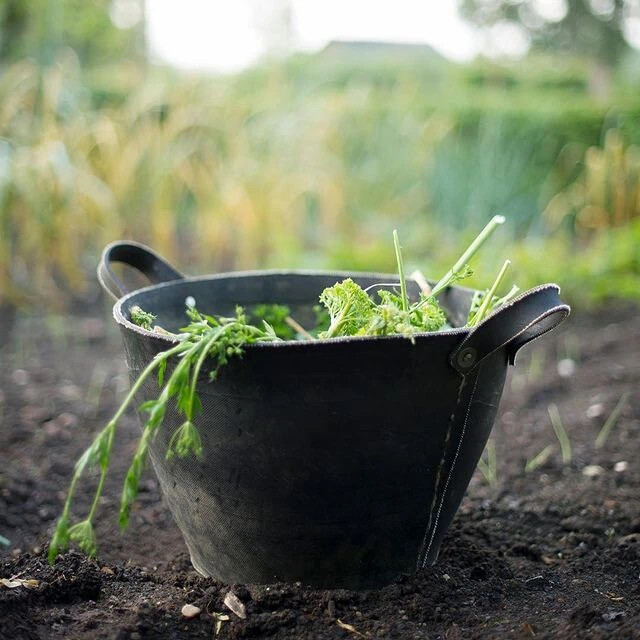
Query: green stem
x: 196, y: 370
x: 144, y: 375
x: 335, y: 325
x: 79, y: 470
x: 103, y: 471
x: 486, y: 301
x: 70, y: 493
x: 403, y: 284
x: 203, y: 355
x: 481, y: 238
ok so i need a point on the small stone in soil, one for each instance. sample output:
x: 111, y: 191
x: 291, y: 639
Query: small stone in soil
x: 595, y: 410
x: 566, y: 368
x: 231, y: 601
x: 621, y: 466
x: 20, y: 377
x: 190, y: 611
x: 592, y: 470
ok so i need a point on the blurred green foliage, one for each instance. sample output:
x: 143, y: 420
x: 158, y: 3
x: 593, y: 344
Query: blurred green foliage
x: 310, y: 162
x: 578, y: 27
x: 40, y: 28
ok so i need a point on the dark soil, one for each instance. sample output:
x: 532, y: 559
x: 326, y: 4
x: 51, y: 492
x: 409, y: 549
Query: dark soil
x: 551, y: 553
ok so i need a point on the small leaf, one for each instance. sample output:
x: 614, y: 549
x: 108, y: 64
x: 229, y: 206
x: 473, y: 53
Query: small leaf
x: 184, y: 441
x: 60, y: 540
x: 131, y: 484
x: 84, y: 536
x: 142, y: 318
x: 179, y: 379
x: 83, y: 460
x: 162, y: 367
x: 184, y: 398
x: 197, y: 404
x: 156, y: 415
x: 219, y: 618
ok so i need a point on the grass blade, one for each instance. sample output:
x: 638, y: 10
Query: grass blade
x: 403, y: 284
x: 536, y: 365
x: 489, y: 468
x: 540, y: 459
x: 486, y: 302
x: 610, y: 422
x: 491, y: 226
x: 561, y: 433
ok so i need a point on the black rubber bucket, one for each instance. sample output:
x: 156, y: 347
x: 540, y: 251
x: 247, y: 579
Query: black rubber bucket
x: 334, y: 462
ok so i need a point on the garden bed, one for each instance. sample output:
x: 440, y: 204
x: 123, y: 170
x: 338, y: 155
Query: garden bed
x: 554, y: 552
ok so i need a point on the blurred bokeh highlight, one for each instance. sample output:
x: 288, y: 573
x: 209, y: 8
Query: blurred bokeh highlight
x: 311, y: 159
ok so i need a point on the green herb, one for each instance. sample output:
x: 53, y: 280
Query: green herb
x: 484, y: 303
x: 353, y: 313
x: 275, y: 315
x: 461, y: 269
x: 388, y: 317
x: 349, y: 307
x: 348, y: 311
x: 206, y: 337
x: 142, y: 318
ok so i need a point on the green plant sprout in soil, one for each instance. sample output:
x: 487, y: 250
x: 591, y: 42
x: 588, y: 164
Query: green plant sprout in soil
x: 215, y: 340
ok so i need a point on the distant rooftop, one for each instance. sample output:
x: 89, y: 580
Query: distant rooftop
x: 396, y: 49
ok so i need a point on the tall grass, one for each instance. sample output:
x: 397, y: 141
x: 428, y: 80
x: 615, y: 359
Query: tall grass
x: 606, y: 192
x: 280, y: 166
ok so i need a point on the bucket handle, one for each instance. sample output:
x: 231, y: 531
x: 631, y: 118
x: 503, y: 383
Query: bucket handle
x: 523, y: 319
x: 135, y: 255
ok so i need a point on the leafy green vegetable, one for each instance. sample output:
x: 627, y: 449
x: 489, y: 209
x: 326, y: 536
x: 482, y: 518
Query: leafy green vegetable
x: 323, y: 320
x: 353, y: 313
x: 390, y: 318
x: 275, y: 315
x: 217, y: 338
x: 349, y: 307
x: 347, y: 311
x: 142, y: 318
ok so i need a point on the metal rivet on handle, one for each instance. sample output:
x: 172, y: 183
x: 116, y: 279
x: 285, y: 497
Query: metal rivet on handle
x: 467, y: 358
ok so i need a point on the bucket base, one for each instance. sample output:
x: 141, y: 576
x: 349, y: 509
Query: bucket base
x: 198, y: 569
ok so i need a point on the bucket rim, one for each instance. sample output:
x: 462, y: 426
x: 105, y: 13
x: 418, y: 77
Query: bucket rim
x: 123, y: 321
